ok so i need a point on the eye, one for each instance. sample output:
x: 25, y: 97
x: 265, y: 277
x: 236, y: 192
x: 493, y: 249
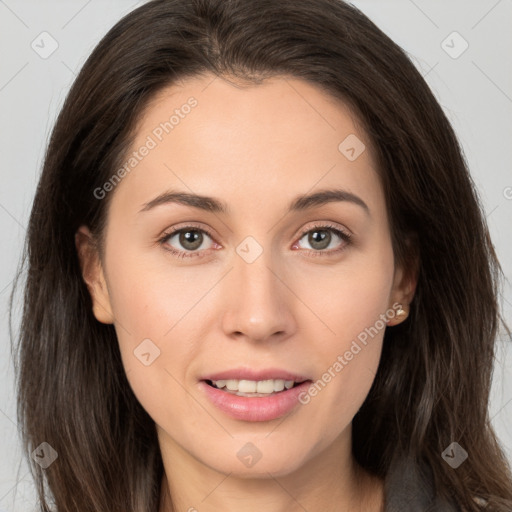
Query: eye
x: 185, y: 242
x: 321, y: 237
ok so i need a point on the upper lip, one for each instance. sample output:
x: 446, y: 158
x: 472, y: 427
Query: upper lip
x: 256, y: 375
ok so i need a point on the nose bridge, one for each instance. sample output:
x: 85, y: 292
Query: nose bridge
x: 258, y: 305
x: 255, y: 276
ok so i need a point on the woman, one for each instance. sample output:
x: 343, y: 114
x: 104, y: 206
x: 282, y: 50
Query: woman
x: 259, y: 276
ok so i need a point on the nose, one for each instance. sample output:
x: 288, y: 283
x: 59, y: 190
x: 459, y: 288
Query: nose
x: 260, y: 304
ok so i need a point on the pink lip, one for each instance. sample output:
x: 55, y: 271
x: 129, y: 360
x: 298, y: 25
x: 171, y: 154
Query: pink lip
x: 264, y: 408
x: 251, y: 374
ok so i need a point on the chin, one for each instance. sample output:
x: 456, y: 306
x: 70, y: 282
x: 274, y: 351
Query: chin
x: 251, y: 462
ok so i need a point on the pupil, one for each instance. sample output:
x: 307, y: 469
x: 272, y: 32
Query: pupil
x: 324, y: 236
x: 191, y: 239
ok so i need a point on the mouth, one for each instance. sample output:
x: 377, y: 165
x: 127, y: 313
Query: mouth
x: 255, y: 400
x: 252, y: 388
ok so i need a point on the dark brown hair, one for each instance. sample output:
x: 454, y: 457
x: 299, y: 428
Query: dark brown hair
x: 433, y: 382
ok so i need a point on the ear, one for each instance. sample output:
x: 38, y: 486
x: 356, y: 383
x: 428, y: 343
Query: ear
x: 404, y: 286
x: 92, y: 273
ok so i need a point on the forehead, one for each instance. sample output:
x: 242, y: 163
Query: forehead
x: 206, y: 135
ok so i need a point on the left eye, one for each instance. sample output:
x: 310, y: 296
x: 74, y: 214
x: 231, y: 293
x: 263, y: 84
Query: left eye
x: 320, y: 239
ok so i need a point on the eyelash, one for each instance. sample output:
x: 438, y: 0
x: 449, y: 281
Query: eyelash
x: 346, y: 237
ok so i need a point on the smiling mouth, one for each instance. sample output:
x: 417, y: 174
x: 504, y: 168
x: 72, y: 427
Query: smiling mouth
x: 248, y: 388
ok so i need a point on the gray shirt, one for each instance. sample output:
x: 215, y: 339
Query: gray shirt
x: 410, y: 488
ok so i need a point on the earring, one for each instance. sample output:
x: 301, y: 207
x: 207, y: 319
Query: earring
x: 401, y: 312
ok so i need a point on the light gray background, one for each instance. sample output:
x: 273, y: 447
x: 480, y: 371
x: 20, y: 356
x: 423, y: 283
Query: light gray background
x: 475, y: 90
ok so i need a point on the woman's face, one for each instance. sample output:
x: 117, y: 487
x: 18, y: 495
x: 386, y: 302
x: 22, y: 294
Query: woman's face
x: 261, y: 281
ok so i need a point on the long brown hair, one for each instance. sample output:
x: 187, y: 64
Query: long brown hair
x: 432, y: 386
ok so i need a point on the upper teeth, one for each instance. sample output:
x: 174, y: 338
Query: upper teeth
x: 252, y: 386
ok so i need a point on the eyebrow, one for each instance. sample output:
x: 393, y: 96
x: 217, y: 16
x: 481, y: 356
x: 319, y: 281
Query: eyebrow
x: 213, y: 205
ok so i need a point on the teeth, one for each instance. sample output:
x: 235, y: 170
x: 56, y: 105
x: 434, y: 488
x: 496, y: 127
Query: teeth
x: 232, y: 385
x: 251, y: 386
x: 263, y: 386
x: 247, y: 386
x: 278, y: 385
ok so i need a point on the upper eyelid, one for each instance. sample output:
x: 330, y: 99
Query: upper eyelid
x: 327, y: 225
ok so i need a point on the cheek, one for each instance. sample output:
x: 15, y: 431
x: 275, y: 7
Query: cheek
x: 351, y: 305
x: 347, y: 298
x: 155, y: 325
x: 349, y: 331
x: 153, y: 298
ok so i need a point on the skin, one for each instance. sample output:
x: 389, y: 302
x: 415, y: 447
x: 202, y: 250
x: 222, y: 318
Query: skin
x: 256, y: 148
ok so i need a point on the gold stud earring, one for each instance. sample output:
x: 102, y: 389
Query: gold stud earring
x: 401, y: 312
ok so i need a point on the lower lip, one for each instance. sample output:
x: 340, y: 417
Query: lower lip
x: 255, y: 408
